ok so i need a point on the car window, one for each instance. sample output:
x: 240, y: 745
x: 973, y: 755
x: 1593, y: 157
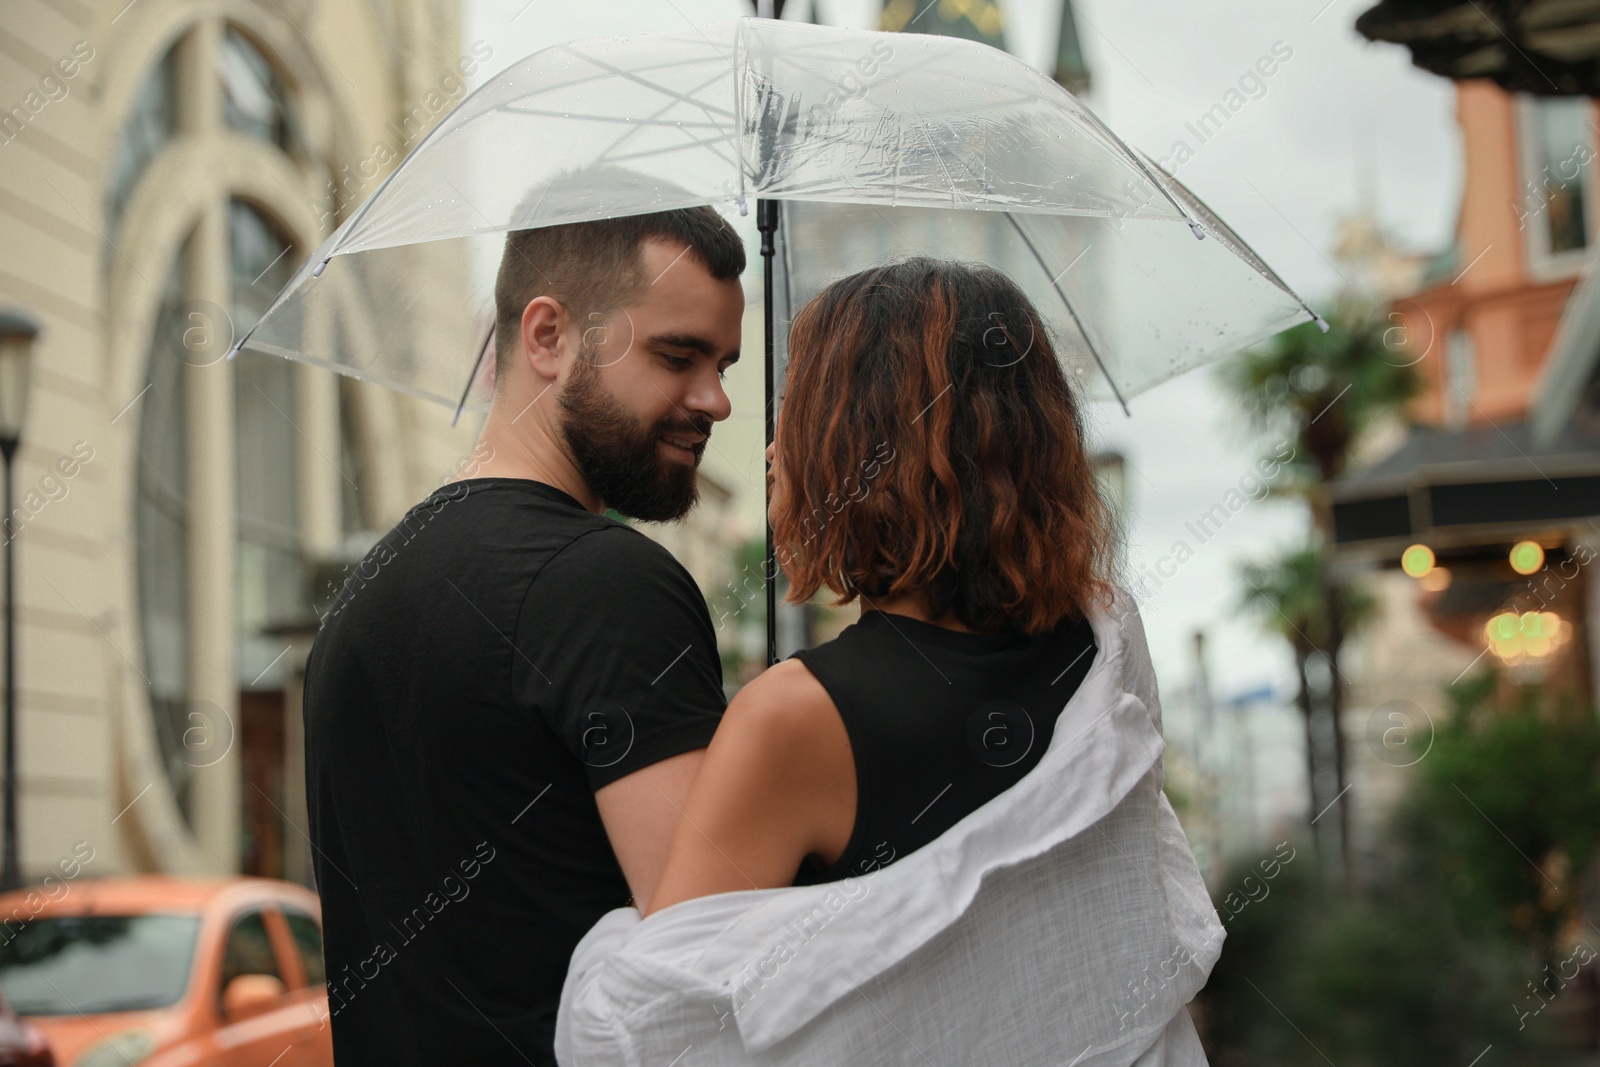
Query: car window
x: 249, y: 950
x: 98, y: 963
x: 308, y: 942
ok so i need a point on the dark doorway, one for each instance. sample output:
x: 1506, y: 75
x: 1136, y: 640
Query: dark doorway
x: 261, y: 751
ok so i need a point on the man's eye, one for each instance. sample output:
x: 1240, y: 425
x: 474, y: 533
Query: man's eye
x: 677, y: 362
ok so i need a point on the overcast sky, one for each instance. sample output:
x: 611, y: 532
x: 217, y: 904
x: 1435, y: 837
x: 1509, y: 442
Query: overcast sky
x: 1338, y: 112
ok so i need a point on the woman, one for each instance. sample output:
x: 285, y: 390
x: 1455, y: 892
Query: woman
x: 939, y: 837
x: 930, y: 461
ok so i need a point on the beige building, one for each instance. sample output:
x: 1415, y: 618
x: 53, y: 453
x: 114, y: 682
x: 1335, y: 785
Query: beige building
x: 165, y: 165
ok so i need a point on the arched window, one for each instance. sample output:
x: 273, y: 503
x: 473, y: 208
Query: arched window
x: 254, y: 102
x: 149, y: 126
x: 283, y: 418
x: 267, y: 441
x: 161, y: 518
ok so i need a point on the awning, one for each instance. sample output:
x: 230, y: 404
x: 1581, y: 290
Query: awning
x: 1548, y: 47
x: 1471, y: 486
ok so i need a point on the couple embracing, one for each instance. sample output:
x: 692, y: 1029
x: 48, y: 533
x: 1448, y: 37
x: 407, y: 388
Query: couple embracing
x: 938, y: 837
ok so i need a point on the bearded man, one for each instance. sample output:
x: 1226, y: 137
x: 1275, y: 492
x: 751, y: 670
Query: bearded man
x: 502, y: 726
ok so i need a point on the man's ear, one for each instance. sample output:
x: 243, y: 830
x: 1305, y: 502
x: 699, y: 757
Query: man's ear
x: 544, y: 321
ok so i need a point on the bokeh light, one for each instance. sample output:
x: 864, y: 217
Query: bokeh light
x: 1526, y: 557
x: 1417, y: 560
x: 1532, y: 635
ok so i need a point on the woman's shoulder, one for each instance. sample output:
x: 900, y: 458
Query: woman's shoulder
x: 785, y: 722
x: 784, y: 699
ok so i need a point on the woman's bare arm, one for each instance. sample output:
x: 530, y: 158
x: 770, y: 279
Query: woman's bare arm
x: 778, y: 782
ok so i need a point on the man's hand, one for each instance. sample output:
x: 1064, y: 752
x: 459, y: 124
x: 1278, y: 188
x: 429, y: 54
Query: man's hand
x: 641, y: 814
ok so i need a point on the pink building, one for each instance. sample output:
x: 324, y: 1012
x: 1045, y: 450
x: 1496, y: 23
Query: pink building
x: 1504, y: 446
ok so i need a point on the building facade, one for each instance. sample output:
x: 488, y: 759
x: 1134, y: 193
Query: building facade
x: 166, y: 166
x: 1473, y: 475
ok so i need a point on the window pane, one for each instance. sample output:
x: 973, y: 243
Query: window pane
x: 253, y: 99
x: 98, y: 963
x: 353, y: 485
x: 308, y: 941
x: 249, y: 950
x: 1563, y: 152
x: 1461, y: 377
x: 161, y: 522
x: 150, y: 125
x: 271, y: 582
x: 259, y: 261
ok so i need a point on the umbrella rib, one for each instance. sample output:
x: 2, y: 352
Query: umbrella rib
x: 663, y: 90
x: 466, y: 390
x: 439, y: 132
x: 587, y: 79
x: 617, y: 120
x: 1255, y: 262
x: 638, y: 125
x: 445, y: 128
x: 1055, y: 283
x: 1194, y: 226
x: 707, y: 110
x: 714, y: 143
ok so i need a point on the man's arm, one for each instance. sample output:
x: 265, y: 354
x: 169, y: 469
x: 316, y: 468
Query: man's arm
x: 618, y: 654
x: 641, y: 813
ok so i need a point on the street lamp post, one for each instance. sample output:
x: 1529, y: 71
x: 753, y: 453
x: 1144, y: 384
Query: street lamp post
x: 17, y: 332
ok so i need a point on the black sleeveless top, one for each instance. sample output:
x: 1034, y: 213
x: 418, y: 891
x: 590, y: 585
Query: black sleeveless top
x: 940, y: 722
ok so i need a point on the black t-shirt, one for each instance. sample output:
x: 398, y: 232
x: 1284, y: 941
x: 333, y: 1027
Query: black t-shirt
x: 498, y: 656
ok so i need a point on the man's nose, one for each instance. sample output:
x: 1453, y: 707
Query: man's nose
x: 709, y: 396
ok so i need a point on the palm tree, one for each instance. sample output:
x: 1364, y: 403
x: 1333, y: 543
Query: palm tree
x: 1287, y: 596
x: 1322, y: 391
x: 1319, y: 392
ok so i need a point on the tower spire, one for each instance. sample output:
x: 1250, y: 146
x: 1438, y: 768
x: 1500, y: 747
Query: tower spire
x: 1071, y: 72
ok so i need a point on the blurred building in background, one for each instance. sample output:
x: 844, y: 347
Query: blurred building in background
x: 167, y: 166
x: 1474, y: 524
x: 1472, y: 478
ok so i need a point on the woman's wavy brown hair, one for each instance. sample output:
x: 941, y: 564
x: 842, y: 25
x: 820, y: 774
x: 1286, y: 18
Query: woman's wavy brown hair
x: 930, y: 443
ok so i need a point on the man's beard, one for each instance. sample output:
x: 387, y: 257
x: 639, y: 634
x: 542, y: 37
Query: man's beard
x: 618, y: 456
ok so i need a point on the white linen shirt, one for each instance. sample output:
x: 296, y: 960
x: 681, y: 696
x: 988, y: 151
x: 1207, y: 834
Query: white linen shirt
x: 1062, y: 923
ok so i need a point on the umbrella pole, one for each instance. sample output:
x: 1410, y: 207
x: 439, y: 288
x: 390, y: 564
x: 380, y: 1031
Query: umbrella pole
x: 767, y: 225
x: 466, y: 390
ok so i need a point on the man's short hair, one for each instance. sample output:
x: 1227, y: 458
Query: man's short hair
x: 596, y: 267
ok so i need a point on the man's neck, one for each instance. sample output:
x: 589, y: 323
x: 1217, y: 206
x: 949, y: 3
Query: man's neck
x: 514, y: 449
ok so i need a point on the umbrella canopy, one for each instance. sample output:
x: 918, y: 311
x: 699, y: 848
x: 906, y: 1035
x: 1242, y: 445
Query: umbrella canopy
x: 878, y: 145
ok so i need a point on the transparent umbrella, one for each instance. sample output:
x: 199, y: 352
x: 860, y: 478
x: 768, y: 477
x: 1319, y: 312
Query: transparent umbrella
x: 854, y: 147
x: 876, y: 145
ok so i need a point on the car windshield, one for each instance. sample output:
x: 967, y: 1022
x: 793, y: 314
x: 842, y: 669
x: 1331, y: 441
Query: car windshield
x: 98, y: 963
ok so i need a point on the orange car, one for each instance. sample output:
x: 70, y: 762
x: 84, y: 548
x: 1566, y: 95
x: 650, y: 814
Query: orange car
x: 161, y: 972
